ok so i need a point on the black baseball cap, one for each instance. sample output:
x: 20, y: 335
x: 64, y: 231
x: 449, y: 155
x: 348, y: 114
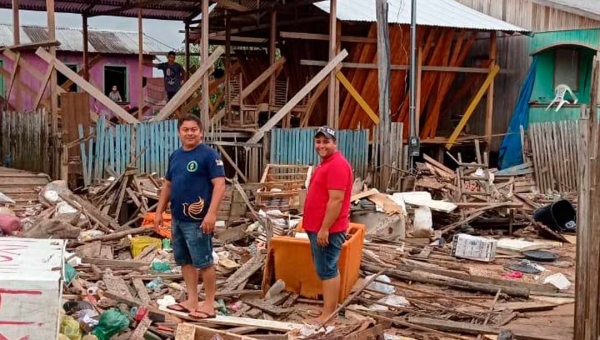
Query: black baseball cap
x: 326, y: 131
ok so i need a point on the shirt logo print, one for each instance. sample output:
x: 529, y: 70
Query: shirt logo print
x: 193, y: 210
x: 192, y: 166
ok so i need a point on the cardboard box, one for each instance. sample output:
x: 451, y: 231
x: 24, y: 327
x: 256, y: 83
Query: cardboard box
x: 31, y: 273
x: 474, y: 248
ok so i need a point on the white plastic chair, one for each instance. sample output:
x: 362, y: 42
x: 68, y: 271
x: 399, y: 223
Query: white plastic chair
x: 559, y: 96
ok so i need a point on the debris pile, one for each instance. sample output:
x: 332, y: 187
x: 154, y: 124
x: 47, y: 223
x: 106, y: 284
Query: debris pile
x: 121, y: 273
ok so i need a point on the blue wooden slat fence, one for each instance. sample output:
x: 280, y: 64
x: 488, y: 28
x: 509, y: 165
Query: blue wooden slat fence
x: 296, y: 146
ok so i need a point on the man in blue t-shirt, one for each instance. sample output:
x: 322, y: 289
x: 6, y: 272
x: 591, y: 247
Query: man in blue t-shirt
x: 173, y: 75
x: 195, y: 185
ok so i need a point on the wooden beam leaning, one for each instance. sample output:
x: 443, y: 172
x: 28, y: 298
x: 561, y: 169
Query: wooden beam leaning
x: 298, y: 97
x: 493, y: 72
x: 25, y: 65
x: 86, y: 86
x: 359, y: 99
x: 6, y: 74
x: 189, y: 87
x: 42, y: 89
x: 262, y: 78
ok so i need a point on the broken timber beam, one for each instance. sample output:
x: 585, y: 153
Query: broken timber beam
x: 189, y: 87
x: 86, y: 86
x: 32, y: 45
x: 450, y: 282
x: 465, y: 118
x: 298, y: 97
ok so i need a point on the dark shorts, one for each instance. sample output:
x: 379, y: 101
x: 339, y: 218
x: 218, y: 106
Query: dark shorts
x: 170, y: 95
x: 191, y: 245
x: 326, y: 258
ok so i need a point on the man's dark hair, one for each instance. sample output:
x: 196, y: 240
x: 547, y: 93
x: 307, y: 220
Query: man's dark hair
x: 172, y: 53
x: 190, y: 118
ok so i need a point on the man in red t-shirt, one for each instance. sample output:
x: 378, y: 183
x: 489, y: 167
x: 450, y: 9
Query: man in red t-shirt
x: 326, y: 214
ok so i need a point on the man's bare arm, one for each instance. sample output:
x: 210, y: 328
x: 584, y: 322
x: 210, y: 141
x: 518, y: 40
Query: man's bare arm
x: 334, y: 206
x: 217, y: 195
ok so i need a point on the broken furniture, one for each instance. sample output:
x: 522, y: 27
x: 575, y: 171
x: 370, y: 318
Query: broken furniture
x: 283, y: 187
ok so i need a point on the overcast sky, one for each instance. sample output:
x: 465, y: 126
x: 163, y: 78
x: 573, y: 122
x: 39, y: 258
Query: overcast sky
x: 161, y: 30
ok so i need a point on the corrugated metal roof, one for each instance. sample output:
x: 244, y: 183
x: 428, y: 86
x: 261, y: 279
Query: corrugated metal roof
x: 442, y: 13
x: 100, y: 41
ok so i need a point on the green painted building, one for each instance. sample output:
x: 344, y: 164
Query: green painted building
x: 563, y: 57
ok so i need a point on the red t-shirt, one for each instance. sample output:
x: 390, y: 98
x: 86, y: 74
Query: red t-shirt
x: 334, y: 173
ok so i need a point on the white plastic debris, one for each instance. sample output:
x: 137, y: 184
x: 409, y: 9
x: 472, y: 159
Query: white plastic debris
x: 381, y: 287
x: 6, y: 199
x: 167, y: 300
x: 558, y: 280
x: 423, y: 222
x: 392, y: 300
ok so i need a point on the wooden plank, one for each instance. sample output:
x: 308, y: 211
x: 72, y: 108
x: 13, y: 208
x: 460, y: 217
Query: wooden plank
x: 232, y: 5
x: 117, y: 286
x: 86, y: 86
x: 189, y: 87
x: 242, y: 274
x: 31, y: 45
x: 232, y: 162
x: 352, y: 91
x: 141, y: 329
x: 42, y: 90
x: 142, y: 291
x: 188, y: 331
x: 469, y: 328
x: 298, y: 97
x: 467, y: 115
x: 121, y: 264
x: 489, y: 104
x: 325, y: 37
x: 240, y: 322
x: 363, y: 66
x: 25, y: 65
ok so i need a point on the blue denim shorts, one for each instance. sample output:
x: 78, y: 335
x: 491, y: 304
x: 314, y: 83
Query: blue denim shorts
x: 326, y: 258
x: 191, y: 245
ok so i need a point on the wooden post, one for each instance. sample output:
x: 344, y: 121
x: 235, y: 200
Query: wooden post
x: 336, y: 99
x: 16, y: 41
x: 205, y: 90
x: 332, y: 53
x: 489, y: 108
x: 16, y: 22
x: 86, y: 56
x: 55, y: 133
x: 227, y: 63
x: 384, y: 128
x: 187, y: 51
x: 140, y: 64
x: 273, y: 49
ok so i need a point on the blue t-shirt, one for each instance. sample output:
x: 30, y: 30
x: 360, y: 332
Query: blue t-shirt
x: 191, y: 174
x: 173, y: 75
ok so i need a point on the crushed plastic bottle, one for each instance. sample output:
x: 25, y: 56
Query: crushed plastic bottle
x: 155, y: 284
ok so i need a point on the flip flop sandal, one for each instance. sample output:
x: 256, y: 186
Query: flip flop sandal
x: 203, y: 315
x: 178, y: 308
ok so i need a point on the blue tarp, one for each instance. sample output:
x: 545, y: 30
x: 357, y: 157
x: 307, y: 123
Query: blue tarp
x: 511, y: 150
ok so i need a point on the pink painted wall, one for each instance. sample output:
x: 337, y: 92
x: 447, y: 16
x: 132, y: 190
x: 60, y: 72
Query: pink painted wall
x: 96, y: 76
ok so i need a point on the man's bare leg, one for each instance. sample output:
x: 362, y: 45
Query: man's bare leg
x: 190, y: 277
x: 331, y: 293
x: 209, y: 279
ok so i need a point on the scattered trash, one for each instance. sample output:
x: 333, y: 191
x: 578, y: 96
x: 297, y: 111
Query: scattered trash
x: 513, y: 275
x: 558, y: 280
x: 381, y: 287
x: 474, y: 248
x: 540, y: 255
x: 111, y: 322
x: 525, y: 266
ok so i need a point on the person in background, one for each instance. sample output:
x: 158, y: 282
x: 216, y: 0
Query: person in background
x: 195, y: 185
x: 114, y: 94
x: 327, y: 215
x: 173, y: 75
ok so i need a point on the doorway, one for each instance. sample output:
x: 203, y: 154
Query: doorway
x: 116, y: 75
